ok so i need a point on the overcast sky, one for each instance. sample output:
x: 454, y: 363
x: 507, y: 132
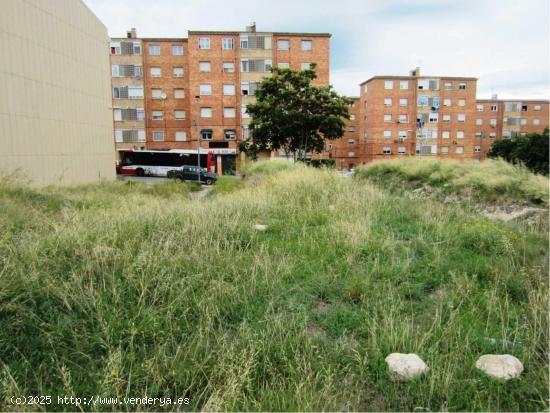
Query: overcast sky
x: 504, y: 43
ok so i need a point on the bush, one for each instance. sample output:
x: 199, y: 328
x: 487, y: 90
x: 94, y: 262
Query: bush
x: 531, y: 151
x: 489, y: 178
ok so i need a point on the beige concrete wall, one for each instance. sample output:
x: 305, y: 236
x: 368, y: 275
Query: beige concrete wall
x: 56, y: 122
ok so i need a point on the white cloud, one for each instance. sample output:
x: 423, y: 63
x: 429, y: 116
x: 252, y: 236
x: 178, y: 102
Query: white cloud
x: 505, y: 44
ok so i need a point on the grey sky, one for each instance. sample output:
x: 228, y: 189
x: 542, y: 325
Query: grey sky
x: 504, y: 43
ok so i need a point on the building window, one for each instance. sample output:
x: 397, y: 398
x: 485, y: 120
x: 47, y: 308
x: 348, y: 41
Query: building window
x: 387, y: 118
x: 401, y: 150
x: 536, y: 121
x: 245, y: 67
x: 181, y: 136
x: 537, y: 108
x: 402, y: 135
x: 403, y: 84
x: 351, y: 117
x: 137, y: 48
x: 479, y: 135
x: 229, y: 90
x: 244, y: 42
x: 477, y: 148
x: 206, y: 112
x: 177, y: 71
x: 493, y: 122
x: 461, y: 117
x: 305, y: 66
x: 179, y: 93
x: 388, y: 84
x: 386, y: 150
x: 523, y: 121
x: 446, y: 102
x: 158, y: 115
x: 228, y: 67
x: 204, y: 43
x: 460, y: 149
x: 205, y: 89
x: 179, y: 114
x: 433, y: 117
x: 140, y: 114
x: 351, y: 141
x: 461, y: 102
x: 244, y: 112
x: 205, y: 67
x: 227, y: 43
x: 154, y: 50
x: 448, y: 86
x: 206, y: 134
x: 479, y: 107
x: 403, y: 102
x: 460, y: 134
x: 306, y: 45
x: 115, y: 48
x: 387, y: 101
x: 462, y: 86
x: 229, y: 112
x: 446, y: 118
x: 494, y: 108
x: 445, y: 134
x: 492, y: 135
x: 229, y: 134
x: 351, y: 154
x: 351, y: 128
x: 282, y: 44
x: 177, y: 50
x: 155, y: 72
x: 444, y: 150
x: 403, y: 119
x: 524, y: 108
x: 156, y: 93
x: 387, y: 134
x: 158, y: 136
x: 479, y: 121
x: 283, y: 65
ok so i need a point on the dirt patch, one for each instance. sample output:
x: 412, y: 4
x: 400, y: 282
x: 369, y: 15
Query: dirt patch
x: 512, y: 211
x: 323, y: 305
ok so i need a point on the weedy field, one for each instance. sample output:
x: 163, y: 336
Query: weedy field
x: 124, y: 290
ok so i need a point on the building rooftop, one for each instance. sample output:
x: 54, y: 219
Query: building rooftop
x: 164, y: 39
x: 390, y: 77
x: 236, y: 33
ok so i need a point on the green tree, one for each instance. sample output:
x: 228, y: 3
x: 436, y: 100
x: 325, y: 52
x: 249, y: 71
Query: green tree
x: 293, y: 115
x: 531, y: 150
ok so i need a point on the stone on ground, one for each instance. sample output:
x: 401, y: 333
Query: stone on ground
x: 500, y: 366
x: 405, y: 366
x: 260, y: 227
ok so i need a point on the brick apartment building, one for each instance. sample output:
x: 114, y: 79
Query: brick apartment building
x: 417, y: 116
x: 182, y: 93
x: 346, y: 151
x: 504, y: 119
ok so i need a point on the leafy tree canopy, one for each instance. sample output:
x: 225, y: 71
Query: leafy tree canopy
x: 531, y: 150
x: 293, y: 115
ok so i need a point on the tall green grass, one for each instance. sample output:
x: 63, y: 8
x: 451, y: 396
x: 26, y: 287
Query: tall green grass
x: 113, y: 290
x: 490, y: 178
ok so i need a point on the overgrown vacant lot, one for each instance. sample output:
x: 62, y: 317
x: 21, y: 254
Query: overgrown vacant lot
x: 125, y: 290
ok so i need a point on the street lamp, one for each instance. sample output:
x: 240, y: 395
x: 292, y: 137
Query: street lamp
x: 197, y: 99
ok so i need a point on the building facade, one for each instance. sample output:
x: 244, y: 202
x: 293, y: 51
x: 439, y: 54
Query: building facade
x: 56, y: 125
x: 192, y: 92
x: 504, y: 119
x: 416, y: 115
x: 126, y: 56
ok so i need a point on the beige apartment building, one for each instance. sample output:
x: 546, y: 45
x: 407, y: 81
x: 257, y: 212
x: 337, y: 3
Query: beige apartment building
x: 127, y: 89
x: 56, y: 121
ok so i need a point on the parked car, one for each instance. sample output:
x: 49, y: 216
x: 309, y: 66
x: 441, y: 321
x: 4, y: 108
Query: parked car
x: 190, y: 173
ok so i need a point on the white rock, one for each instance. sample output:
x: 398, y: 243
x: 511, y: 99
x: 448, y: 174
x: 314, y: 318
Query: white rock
x: 405, y: 366
x: 500, y: 366
x: 260, y: 227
